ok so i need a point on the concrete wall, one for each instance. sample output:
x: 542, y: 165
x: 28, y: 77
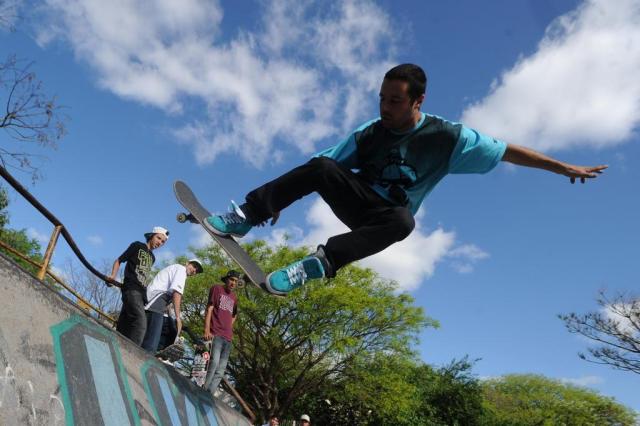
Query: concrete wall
x: 58, y: 366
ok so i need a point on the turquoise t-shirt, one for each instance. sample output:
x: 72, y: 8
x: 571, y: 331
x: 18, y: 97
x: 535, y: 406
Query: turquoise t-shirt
x: 420, y: 157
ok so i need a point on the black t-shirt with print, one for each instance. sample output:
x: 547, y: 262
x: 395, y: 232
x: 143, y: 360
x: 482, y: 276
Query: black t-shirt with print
x: 139, y: 261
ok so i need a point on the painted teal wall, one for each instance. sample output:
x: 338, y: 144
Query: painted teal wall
x: 58, y: 366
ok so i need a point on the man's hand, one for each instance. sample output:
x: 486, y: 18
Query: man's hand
x: 274, y: 219
x: 582, y: 172
x: 207, y: 334
x: 523, y: 156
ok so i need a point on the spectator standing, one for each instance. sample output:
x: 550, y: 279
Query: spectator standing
x: 221, y: 313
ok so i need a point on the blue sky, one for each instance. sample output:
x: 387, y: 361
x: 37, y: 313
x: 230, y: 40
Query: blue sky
x: 226, y: 95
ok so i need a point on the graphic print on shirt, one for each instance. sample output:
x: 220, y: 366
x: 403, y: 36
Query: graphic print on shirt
x: 226, y: 303
x: 143, y: 267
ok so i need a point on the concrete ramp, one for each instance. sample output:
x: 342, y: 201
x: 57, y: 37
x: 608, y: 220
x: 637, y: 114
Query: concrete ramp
x: 59, y: 366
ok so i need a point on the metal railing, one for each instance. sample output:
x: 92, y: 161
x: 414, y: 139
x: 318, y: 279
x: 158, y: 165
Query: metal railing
x: 59, y: 229
x: 44, y: 270
x: 81, y: 301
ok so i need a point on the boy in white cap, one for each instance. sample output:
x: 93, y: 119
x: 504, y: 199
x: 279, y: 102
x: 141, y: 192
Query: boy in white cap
x: 166, y: 288
x: 132, y: 322
x: 305, y: 420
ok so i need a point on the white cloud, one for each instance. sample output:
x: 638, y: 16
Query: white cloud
x: 583, y: 381
x: 60, y: 273
x: 579, y: 88
x: 163, y: 256
x: 199, y: 237
x: 465, y: 257
x: 42, y: 239
x: 96, y: 240
x: 299, y: 79
x: 282, y: 236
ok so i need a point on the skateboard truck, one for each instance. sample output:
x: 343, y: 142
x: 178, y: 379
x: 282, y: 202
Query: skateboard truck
x: 186, y: 217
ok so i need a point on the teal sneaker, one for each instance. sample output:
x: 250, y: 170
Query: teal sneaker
x: 283, y: 280
x: 232, y: 223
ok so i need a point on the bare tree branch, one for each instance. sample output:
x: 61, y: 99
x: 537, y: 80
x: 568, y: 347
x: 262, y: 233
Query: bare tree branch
x: 29, y: 115
x: 615, y: 327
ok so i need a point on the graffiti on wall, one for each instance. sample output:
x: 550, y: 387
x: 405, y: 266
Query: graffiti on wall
x: 94, y: 384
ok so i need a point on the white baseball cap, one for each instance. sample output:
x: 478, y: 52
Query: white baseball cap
x: 305, y: 417
x: 198, y: 264
x: 157, y: 230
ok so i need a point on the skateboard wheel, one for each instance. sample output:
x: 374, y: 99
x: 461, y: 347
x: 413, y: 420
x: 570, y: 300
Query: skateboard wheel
x: 182, y: 217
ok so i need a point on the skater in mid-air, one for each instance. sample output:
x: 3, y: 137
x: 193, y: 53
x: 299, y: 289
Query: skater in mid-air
x: 375, y: 180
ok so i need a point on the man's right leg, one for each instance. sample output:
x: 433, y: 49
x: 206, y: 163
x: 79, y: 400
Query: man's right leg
x: 134, y: 323
x: 122, y: 326
x: 151, y: 339
x: 214, y: 360
x: 169, y: 332
x: 218, y: 374
x: 342, y: 189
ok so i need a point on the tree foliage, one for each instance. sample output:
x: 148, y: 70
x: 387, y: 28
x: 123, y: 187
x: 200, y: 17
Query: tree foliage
x: 389, y: 389
x: 450, y: 395
x: 8, y: 14
x: 616, y: 330
x: 340, y: 351
x: 286, y: 348
x: 535, y: 400
x: 17, y: 238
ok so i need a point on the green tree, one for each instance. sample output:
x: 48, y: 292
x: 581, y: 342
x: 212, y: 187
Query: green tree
x: 450, y: 395
x: 374, y: 389
x: 286, y: 348
x: 17, y: 239
x: 535, y: 400
x: 391, y: 389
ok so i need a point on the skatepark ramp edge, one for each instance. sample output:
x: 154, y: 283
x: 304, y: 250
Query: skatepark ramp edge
x: 60, y: 366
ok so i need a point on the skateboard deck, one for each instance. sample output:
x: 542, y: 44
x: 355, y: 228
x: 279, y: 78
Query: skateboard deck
x: 198, y: 214
x: 172, y: 353
x: 200, y: 364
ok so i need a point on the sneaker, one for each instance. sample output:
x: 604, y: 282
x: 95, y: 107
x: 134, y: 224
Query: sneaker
x: 283, y: 280
x: 232, y: 223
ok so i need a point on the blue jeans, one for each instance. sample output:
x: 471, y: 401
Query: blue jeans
x: 154, y: 330
x: 220, y: 350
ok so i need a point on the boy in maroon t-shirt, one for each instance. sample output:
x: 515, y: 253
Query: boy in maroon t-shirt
x: 222, y: 309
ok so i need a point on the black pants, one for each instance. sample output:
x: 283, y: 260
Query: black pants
x: 132, y: 322
x: 375, y: 223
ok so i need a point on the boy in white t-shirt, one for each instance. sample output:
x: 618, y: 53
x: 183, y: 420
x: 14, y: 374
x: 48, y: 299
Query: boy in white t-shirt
x: 167, y: 287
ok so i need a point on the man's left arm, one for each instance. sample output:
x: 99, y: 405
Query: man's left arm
x: 523, y: 156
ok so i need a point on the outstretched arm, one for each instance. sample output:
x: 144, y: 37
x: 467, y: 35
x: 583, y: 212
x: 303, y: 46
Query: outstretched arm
x: 115, y: 269
x: 524, y: 156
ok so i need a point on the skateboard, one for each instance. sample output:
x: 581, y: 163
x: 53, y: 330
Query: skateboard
x: 200, y: 363
x: 197, y: 214
x: 172, y: 352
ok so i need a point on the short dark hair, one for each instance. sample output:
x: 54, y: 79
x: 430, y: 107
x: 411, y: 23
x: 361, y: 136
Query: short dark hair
x: 412, y: 74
